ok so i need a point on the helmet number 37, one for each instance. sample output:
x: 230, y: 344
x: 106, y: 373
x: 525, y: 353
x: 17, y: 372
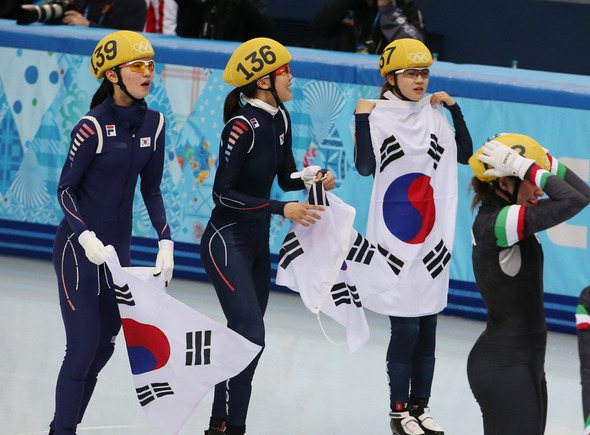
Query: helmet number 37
x: 258, y: 59
x: 387, y: 52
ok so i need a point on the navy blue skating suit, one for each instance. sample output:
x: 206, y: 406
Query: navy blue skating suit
x: 506, y: 365
x: 110, y: 147
x: 255, y: 148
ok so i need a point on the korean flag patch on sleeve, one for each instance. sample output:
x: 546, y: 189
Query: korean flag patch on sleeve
x: 145, y: 142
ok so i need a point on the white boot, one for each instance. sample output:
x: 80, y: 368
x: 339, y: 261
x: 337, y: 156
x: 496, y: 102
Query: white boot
x: 402, y: 423
x: 427, y: 423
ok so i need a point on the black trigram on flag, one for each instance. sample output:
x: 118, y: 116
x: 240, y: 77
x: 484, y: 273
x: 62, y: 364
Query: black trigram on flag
x: 123, y: 295
x: 343, y: 293
x: 317, y: 195
x: 198, y: 348
x: 361, y: 251
x: 437, y: 259
x: 154, y: 391
x: 395, y: 263
x: 391, y: 150
x: 435, y: 151
x: 290, y: 250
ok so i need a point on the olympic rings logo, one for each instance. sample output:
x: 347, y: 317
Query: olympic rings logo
x: 419, y: 57
x: 143, y: 47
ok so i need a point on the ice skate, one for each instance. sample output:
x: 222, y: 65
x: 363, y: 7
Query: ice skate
x: 216, y: 427
x: 427, y: 423
x: 402, y: 423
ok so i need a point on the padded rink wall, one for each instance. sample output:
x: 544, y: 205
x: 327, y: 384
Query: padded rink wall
x: 46, y: 86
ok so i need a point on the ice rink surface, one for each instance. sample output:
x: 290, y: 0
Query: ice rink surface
x: 304, y: 384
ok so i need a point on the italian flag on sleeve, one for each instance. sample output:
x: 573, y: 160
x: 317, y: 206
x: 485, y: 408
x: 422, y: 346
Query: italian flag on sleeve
x: 509, y: 225
x: 556, y: 167
x: 539, y: 176
x: 582, y: 317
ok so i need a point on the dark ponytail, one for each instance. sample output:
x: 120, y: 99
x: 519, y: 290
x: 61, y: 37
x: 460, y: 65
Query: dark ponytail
x: 482, y: 191
x: 233, y: 101
x: 232, y: 104
x: 105, y: 90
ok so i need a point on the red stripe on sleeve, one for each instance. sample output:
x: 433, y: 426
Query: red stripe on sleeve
x: 244, y: 126
x: 520, y: 224
x: 88, y: 129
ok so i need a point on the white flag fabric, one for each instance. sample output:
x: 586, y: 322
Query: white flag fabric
x: 325, y: 245
x: 333, y: 267
x: 413, y: 204
x: 176, y: 354
x: 367, y: 272
x: 365, y: 277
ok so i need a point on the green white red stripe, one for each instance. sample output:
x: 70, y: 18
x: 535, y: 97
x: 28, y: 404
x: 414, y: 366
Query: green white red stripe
x: 556, y: 167
x: 539, y: 176
x: 582, y: 317
x: 509, y: 225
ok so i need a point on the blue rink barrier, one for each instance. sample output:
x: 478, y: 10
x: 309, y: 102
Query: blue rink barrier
x: 46, y: 86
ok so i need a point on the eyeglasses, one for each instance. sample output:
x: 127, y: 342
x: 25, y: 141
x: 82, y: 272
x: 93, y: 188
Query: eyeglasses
x: 140, y: 65
x: 414, y: 73
x: 284, y: 70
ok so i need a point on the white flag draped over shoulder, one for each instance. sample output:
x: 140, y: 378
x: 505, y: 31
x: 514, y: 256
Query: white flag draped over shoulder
x: 413, y: 204
x: 333, y: 267
x: 176, y: 354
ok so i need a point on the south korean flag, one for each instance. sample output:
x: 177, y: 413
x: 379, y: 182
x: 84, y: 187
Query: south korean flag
x: 413, y: 203
x: 311, y: 257
x: 365, y: 277
x: 176, y: 354
x: 331, y: 266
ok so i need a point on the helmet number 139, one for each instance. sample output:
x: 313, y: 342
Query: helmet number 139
x: 99, y: 58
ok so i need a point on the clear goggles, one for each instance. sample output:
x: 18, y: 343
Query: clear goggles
x: 412, y: 73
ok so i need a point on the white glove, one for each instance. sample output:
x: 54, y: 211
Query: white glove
x: 505, y: 160
x: 93, y: 248
x: 308, y: 175
x: 165, y: 260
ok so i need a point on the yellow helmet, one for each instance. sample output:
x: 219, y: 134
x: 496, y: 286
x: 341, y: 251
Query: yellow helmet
x: 255, y: 59
x: 404, y: 53
x: 118, y: 48
x: 524, y: 145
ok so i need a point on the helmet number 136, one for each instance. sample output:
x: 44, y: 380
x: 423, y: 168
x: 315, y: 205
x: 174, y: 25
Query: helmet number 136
x: 257, y: 61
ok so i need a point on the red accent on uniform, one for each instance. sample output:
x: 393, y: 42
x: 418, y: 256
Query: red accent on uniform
x: 244, y: 126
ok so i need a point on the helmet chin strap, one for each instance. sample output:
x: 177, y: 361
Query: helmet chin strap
x: 124, y: 88
x: 512, y: 197
x: 273, y: 90
x: 396, y: 89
